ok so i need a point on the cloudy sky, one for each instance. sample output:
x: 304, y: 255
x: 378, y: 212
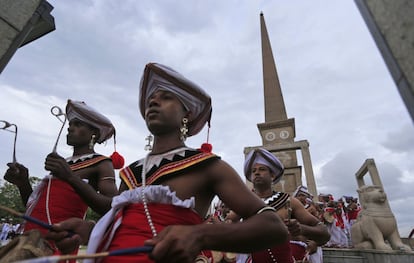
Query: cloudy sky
x: 334, y: 82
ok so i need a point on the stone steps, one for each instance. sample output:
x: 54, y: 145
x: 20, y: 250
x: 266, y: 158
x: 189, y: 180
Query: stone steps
x: 336, y: 255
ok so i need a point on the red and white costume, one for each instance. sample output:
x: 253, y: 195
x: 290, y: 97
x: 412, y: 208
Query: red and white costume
x: 126, y: 224
x: 49, y: 202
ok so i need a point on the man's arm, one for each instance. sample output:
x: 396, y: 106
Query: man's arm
x: 265, y: 228
x: 99, y: 202
x: 259, y: 229
x: 18, y: 175
x: 310, y: 226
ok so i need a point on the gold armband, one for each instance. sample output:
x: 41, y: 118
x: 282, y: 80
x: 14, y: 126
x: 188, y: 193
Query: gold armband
x: 265, y: 208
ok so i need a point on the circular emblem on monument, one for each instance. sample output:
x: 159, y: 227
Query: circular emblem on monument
x: 284, y: 134
x: 270, y: 136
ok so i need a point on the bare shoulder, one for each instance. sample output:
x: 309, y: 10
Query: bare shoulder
x: 220, y: 168
x: 105, y: 168
x: 232, y: 190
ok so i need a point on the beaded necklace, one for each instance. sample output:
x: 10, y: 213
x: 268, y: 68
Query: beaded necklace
x: 156, y: 158
x: 200, y: 258
x: 144, y: 198
x: 267, y: 200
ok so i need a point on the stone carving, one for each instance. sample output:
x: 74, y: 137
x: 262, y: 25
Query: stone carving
x: 376, y: 223
x: 376, y: 227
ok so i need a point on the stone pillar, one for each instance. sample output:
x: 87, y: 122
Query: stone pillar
x: 368, y: 167
x: 310, y: 178
x: 391, y: 23
x: 22, y: 21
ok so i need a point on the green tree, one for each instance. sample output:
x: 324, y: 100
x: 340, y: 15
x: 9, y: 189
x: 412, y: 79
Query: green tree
x: 92, y: 215
x: 10, y: 197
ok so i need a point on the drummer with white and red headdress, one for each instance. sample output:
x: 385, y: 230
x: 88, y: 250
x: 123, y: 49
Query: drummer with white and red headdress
x: 166, y: 195
x: 86, y: 179
x: 263, y: 169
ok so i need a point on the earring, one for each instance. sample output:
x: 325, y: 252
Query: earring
x: 148, y: 146
x: 92, y: 142
x: 184, y: 130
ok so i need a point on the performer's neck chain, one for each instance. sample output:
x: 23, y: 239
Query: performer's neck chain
x: 144, y: 198
x: 272, y: 257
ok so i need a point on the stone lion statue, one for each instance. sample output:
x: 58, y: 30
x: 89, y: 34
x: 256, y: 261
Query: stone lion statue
x: 376, y: 223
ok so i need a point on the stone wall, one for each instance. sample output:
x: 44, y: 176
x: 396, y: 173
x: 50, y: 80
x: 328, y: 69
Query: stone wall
x: 22, y: 21
x: 332, y: 255
x: 391, y: 23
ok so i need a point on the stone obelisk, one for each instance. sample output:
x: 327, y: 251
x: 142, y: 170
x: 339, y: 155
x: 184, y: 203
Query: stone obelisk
x: 278, y: 131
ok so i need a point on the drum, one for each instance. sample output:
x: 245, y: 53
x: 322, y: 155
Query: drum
x: 25, y: 246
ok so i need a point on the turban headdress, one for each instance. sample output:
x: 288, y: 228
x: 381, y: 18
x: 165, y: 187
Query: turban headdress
x: 79, y: 110
x: 263, y: 156
x: 159, y: 77
x: 302, y: 190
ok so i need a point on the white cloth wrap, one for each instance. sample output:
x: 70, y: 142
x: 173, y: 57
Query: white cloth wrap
x: 153, y: 193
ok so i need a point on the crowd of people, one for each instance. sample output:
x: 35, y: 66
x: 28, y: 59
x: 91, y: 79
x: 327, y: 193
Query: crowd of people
x: 9, y: 229
x: 337, y: 215
x: 163, y: 199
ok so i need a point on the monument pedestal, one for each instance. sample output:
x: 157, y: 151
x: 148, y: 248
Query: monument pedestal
x: 344, y: 255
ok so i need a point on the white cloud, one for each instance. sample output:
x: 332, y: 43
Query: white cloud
x: 334, y: 82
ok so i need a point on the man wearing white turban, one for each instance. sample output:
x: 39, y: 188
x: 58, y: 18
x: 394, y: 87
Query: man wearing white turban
x: 86, y: 179
x: 170, y: 190
x: 264, y: 169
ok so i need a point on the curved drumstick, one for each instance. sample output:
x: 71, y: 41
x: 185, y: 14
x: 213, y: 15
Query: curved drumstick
x: 29, y: 218
x: 26, y: 217
x: 4, y: 127
x: 58, y: 113
x: 118, y: 252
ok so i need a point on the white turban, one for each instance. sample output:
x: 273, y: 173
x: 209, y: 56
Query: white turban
x: 79, y: 110
x: 263, y: 156
x: 197, y: 101
x: 302, y: 190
